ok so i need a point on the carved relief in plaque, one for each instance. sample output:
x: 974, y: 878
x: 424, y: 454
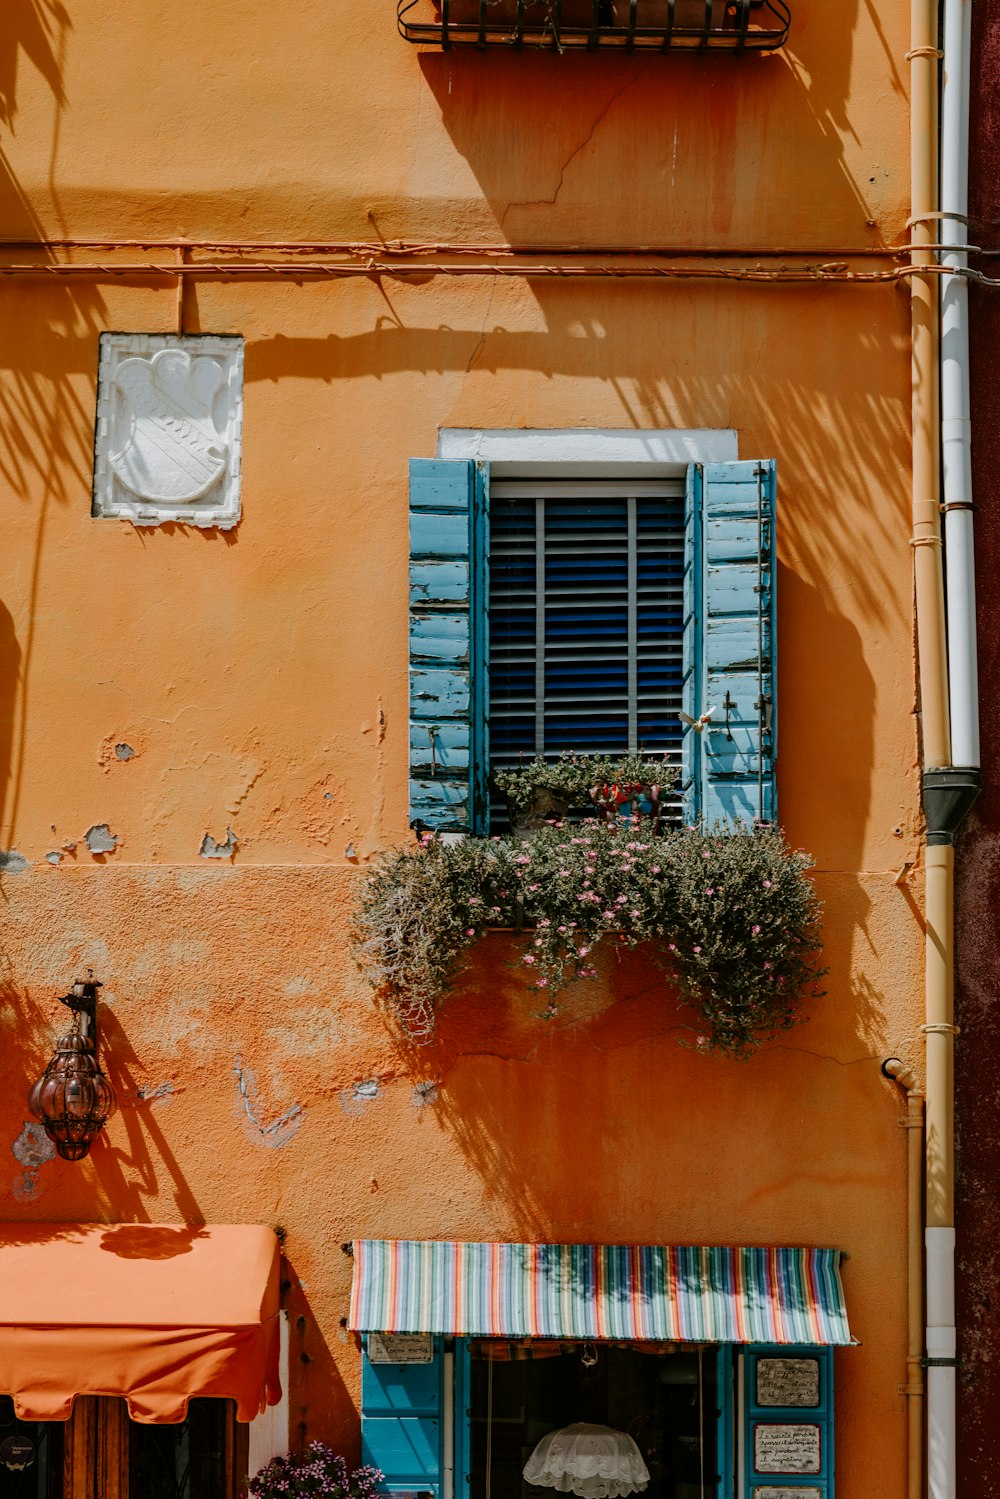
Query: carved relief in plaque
x: 169, y: 425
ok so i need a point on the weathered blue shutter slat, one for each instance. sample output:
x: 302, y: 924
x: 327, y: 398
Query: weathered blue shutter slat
x: 448, y: 632
x: 401, y: 1422
x: 730, y: 643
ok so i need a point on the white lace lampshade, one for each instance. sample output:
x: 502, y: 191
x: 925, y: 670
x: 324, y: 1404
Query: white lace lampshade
x: 592, y: 1461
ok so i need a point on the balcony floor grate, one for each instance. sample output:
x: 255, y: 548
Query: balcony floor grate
x: 738, y: 26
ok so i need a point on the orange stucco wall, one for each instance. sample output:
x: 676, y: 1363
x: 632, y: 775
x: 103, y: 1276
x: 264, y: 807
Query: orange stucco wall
x: 260, y: 676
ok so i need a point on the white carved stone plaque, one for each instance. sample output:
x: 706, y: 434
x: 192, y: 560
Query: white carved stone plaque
x: 788, y: 1381
x: 786, y: 1448
x: 169, y: 429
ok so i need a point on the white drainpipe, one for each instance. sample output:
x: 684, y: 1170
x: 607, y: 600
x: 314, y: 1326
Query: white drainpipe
x: 962, y: 655
x: 956, y: 444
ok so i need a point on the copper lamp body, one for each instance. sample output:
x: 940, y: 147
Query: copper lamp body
x: 73, y: 1098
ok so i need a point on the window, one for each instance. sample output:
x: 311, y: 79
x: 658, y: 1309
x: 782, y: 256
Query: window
x: 586, y: 617
x: 711, y: 1421
x: 550, y: 614
x: 99, y: 1453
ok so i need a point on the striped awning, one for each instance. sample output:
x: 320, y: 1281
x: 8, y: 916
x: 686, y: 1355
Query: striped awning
x: 636, y: 1292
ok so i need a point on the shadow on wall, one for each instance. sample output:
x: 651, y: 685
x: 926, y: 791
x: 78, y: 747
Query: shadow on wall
x: 665, y: 123
x: 321, y: 1409
x: 46, y: 428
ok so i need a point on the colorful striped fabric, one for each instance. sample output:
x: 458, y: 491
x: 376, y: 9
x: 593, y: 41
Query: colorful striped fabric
x: 607, y: 1291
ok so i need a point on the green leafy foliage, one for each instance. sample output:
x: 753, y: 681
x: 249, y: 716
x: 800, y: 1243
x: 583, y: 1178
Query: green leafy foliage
x: 573, y: 777
x: 732, y: 916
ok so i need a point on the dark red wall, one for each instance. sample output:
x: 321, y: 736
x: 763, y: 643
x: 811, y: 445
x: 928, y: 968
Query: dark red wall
x: 978, y: 881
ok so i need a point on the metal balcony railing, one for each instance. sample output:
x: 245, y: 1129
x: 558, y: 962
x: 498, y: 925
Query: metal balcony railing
x: 738, y: 26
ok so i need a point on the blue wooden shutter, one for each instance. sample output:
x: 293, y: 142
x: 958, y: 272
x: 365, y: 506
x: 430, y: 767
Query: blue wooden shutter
x: 449, y: 756
x: 401, y: 1422
x: 770, y: 1478
x: 729, y: 643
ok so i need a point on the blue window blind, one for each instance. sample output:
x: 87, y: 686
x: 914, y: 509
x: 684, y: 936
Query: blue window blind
x: 586, y: 617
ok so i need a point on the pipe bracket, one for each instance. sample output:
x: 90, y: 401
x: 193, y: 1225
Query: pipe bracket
x: 941, y: 1028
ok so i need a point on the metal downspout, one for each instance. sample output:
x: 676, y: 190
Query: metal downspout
x: 913, y: 1389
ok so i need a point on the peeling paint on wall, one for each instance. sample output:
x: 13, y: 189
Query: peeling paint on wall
x: 278, y: 1132
x: 210, y: 849
x: 151, y: 1093
x: 11, y: 861
x: 100, y: 839
x: 424, y: 1094
x: 54, y: 856
x: 124, y: 751
x: 32, y: 1149
x: 355, y: 1099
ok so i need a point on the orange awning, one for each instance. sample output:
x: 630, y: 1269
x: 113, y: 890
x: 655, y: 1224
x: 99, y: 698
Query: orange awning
x: 154, y: 1312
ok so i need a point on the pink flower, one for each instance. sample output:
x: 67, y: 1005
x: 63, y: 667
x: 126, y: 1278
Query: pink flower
x: 470, y: 931
x: 541, y: 983
x: 621, y: 900
x: 545, y: 922
x: 474, y: 900
x: 609, y: 915
x: 582, y: 952
x: 696, y: 949
x: 532, y: 887
x: 636, y: 915
x: 705, y: 854
x: 656, y: 869
x: 564, y: 873
x: 767, y: 884
x: 709, y: 891
x: 538, y: 941
x: 755, y: 930
x: 562, y: 929
x: 529, y: 957
x: 523, y: 859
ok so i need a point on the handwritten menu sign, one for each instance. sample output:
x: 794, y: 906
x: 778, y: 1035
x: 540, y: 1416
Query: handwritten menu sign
x: 400, y: 1348
x: 788, y: 1381
x: 785, y: 1493
x: 786, y: 1449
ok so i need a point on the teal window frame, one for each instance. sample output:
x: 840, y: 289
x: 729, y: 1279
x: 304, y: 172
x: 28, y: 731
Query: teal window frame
x: 729, y: 749
x: 403, y: 1425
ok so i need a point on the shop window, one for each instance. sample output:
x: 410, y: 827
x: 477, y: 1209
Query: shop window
x: 31, y: 1456
x: 461, y: 1418
x: 108, y: 1456
x: 665, y: 1402
x: 552, y: 614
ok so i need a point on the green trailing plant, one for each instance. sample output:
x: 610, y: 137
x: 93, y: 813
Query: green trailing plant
x: 573, y: 779
x: 732, y: 916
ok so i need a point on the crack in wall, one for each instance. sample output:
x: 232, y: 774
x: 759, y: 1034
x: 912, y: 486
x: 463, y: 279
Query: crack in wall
x: 550, y: 202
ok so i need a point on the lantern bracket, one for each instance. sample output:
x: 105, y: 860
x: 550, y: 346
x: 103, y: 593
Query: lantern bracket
x: 82, y: 1000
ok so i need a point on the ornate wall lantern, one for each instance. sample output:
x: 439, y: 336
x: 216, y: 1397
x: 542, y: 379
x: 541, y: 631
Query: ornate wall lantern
x: 72, y: 1097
